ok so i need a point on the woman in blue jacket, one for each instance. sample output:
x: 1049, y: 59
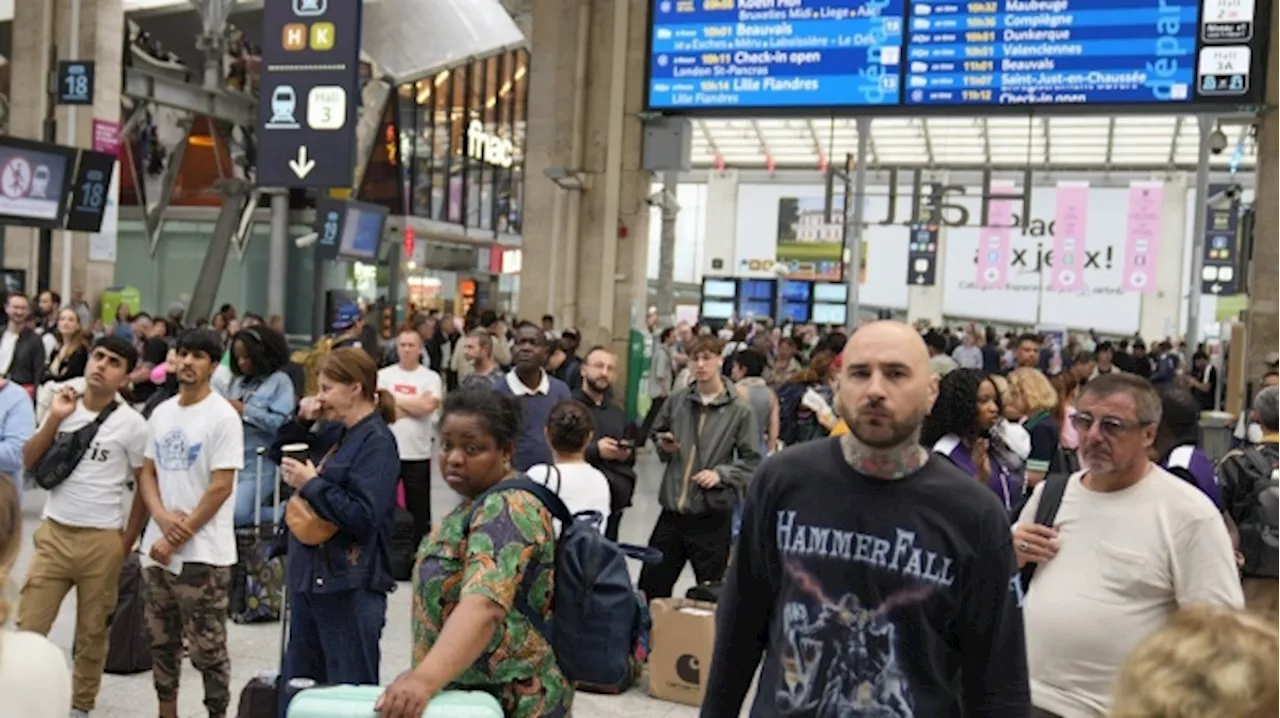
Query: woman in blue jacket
x: 338, y: 587
x: 263, y: 394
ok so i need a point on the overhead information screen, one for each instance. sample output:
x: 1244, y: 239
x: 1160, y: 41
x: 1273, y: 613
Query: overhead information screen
x: 775, y: 53
x: 879, y: 54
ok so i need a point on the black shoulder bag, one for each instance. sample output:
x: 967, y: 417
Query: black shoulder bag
x: 62, y: 457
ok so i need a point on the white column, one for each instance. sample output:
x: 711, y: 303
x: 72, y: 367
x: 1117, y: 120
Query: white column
x: 1161, y: 310
x: 720, y: 235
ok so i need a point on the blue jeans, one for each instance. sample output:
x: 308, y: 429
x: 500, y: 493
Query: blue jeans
x: 250, y: 490
x: 333, y: 637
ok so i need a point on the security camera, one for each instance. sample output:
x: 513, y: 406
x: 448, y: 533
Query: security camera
x: 1217, y: 141
x: 1234, y: 191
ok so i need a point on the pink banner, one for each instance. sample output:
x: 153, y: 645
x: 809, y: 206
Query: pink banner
x: 106, y: 136
x: 1071, y: 226
x: 995, y: 238
x: 1146, y: 200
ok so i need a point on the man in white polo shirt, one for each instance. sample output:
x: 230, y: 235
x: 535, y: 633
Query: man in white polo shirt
x: 418, y: 392
x: 188, y: 483
x: 83, y: 539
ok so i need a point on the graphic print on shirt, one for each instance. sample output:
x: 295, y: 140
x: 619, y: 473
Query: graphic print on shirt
x: 175, y: 452
x: 840, y: 656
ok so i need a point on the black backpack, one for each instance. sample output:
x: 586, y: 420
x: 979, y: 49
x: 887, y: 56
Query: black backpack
x: 1260, y: 524
x: 129, y: 640
x: 1055, y: 487
x: 597, y: 615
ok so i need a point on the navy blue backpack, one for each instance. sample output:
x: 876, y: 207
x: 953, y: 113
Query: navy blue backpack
x: 597, y: 617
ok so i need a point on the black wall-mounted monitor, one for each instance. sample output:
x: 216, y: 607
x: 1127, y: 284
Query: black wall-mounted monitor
x: 89, y: 191
x: 34, y: 180
x: 832, y: 292
x: 362, y: 231
x: 719, y: 288
x: 716, y: 309
x: 829, y: 314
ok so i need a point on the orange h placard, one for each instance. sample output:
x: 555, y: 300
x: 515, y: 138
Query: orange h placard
x: 295, y: 37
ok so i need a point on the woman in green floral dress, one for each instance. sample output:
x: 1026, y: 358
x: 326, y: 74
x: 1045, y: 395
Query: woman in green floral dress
x: 471, y: 579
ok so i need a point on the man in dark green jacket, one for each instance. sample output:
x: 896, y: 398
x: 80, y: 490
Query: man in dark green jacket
x: 709, y: 441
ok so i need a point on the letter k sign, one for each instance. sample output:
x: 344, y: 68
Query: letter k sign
x: 322, y: 36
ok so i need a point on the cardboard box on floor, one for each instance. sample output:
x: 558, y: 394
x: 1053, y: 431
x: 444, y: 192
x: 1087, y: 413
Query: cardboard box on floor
x: 680, y: 645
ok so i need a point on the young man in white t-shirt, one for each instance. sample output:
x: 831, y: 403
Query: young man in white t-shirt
x: 418, y: 392
x: 196, y: 447
x: 84, y: 537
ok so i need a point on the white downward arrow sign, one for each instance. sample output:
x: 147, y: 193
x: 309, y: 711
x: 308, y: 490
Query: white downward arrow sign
x: 302, y: 166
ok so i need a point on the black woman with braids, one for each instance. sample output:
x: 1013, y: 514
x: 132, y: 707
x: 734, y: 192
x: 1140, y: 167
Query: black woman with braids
x: 871, y: 577
x: 959, y: 428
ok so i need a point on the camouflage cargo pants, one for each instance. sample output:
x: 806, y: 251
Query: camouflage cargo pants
x: 191, y: 605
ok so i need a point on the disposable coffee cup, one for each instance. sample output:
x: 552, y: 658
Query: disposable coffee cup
x: 299, y: 452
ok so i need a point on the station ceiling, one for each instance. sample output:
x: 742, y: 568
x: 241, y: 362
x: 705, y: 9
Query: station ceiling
x: 1135, y: 142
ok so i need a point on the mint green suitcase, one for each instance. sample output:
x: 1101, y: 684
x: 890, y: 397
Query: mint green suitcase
x: 357, y: 702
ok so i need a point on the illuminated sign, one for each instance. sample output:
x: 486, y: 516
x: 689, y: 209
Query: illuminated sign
x: 489, y: 148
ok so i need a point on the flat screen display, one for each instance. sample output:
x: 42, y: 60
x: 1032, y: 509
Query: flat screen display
x: 33, y: 181
x: 757, y: 308
x: 796, y: 291
x: 874, y: 54
x: 830, y: 293
x: 720, y: 288
x: 829, y: 314
x: 716, y: 310
x: 756, y: 289
x: 797, y: 312
x: 362, y: 231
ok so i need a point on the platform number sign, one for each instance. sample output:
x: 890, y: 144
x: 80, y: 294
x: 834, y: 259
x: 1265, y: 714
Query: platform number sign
x: 89, y: 192
x: 75, y: 82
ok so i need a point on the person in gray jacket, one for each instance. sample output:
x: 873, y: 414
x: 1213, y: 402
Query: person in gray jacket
x: 708, y: 439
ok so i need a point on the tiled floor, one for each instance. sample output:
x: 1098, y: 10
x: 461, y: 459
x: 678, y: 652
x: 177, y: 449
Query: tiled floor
x: 255, y: 649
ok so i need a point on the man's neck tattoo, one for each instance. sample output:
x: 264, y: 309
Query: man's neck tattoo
x: 891, y: 463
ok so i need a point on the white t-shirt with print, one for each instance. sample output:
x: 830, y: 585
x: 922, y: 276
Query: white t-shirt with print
x: 8, y: 345
x: 187, y: 444
x: 580, y: 486
x: 93, y: 495
x: 415, y: 435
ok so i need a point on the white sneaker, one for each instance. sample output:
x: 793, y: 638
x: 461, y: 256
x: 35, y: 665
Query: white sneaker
x: 77, y: 713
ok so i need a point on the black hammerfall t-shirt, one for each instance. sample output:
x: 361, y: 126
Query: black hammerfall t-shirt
x: 869, y: 597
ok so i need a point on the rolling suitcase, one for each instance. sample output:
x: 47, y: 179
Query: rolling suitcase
x: 260, y: 697
x: 257, y: 577
x: 358, y: 702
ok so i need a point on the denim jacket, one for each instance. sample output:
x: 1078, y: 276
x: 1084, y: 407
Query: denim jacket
x: 355, y: 490
x: 267, y: 404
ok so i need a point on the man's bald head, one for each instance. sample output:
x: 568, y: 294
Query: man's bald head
x: 898, y: 338
x: 886, y: 388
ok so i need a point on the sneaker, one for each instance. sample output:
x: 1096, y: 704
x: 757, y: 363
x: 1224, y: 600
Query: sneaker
x: 77, y: 713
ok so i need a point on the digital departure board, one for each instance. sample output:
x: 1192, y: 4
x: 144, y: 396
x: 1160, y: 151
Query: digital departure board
x: 775, y: 53
x: 881, y: 54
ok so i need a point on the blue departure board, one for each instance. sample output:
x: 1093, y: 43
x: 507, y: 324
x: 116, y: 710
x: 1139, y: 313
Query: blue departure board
x: 874, y: 55
x: 775, y: 53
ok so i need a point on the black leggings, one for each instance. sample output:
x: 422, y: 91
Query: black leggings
x: 416, y: 476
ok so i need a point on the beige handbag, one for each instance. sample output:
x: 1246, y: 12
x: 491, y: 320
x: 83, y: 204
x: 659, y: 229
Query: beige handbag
x: 301, y: 518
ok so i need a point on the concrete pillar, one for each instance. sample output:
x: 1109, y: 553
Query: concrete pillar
x: 585, y: 249
x: 1160, y: 313
x: 720, y: 228
x: 37, y: 25
x: 1262, y: 315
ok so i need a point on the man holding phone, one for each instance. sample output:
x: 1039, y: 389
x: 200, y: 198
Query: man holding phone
x: 610, y: 453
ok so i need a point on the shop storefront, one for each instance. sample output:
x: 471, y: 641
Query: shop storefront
x: 461, y: 136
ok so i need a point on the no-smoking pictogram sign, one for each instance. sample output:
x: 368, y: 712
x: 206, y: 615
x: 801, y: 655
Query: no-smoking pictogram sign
x: 15, y: 178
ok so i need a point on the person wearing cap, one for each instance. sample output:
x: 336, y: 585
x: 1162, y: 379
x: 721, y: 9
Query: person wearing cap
x: 85, y: 533
x: 349, y: 330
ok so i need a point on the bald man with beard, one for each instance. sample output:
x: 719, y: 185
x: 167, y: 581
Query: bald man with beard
x: 874, y: 578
